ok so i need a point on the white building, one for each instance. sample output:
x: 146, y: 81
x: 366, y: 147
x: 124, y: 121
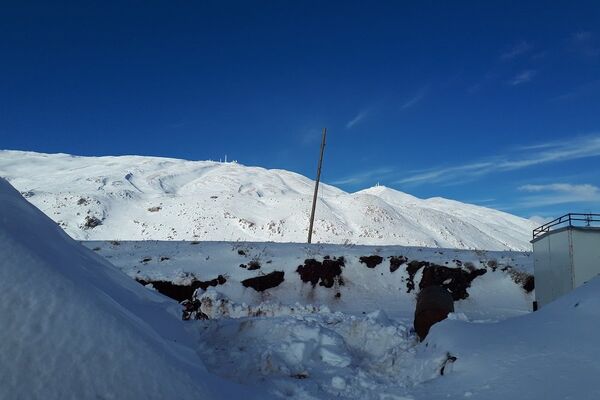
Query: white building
x: 566, y: 255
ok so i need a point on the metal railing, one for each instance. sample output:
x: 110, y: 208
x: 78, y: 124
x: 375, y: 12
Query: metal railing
x: 571, y: 219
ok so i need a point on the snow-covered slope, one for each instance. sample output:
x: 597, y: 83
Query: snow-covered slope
x: 550, y: 354
x: 74, y: 327
x: 137, y: 198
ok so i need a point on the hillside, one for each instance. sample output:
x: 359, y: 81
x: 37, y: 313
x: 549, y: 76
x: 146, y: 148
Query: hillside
x: 140, y: 198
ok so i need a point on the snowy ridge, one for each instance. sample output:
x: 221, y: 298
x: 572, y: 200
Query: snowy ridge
x: 141, y: 198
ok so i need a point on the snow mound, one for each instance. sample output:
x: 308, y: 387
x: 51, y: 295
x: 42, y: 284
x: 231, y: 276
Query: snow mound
x: 311, y: 353
x: 151, y: 198
x: 550, y: 354
x: 75, y: 327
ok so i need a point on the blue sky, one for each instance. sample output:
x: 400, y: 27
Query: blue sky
x: 497, y: 104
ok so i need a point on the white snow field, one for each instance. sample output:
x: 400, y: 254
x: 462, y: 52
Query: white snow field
x: 141, y: 198
x: 74, y: 327
x: 352, y: 340
x: 283, y: 320
x: 304, y: 342
x: 553, y: 353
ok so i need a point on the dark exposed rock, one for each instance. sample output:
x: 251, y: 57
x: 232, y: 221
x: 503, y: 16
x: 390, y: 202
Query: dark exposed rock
x: 325, y: 273
x: 182, y: 292
x: 264, y: 282
x: 241, y: 252
x: 396, y: 262
x: 155, y: 209
x: 91, y: 222
x: 371, y: 261
x: 219, y: 280
x: 252, y: 265
x: 450, y: 359
x: 469, y: 266
x: 526, y: 280
x: 191, y: 310
x: 456, y: 280
x: 529, y: 284
x: 434, y: 303
x: 412, y: 268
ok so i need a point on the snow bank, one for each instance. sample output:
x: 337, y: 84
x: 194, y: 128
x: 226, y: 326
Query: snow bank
x: 73, y: 326
x: 384, y: 285
x: 551, y: 354
x: 312, y: 353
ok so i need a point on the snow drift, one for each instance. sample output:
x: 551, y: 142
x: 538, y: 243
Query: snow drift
x: 75, y: 327
x: 142, y: 198
x: 550, y: 354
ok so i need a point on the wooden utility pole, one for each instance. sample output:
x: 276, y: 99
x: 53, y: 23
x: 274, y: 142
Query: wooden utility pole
x: 314, y: 203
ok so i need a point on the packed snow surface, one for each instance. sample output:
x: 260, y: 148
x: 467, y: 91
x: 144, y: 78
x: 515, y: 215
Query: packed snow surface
x: 141, y: 198
x: 352, y: 339
x: 74, y: 327
x: 302, y: 342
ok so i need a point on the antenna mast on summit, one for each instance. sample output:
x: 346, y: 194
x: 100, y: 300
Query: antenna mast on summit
x: 314, y: 203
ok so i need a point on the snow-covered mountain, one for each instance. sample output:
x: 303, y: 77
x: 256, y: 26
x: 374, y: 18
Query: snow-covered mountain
x: 138, y: 198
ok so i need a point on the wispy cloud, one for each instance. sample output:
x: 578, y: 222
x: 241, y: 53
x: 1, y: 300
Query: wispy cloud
x: 488, y: 78
x: 540, y: 220
x: 585, y: 43
x: 542, y: 153
x: 580, y: 91
x: 371, y: 176
x: 560, y: 193
x: 416, y: 99
x: 358, y: 118
x: 309, y: 136
x: 523, y: 77
x: 517, y: 50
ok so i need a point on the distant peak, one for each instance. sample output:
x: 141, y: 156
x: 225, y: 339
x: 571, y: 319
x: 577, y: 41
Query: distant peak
x: 382, y: 189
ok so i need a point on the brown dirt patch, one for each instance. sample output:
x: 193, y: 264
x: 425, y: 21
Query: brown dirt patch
x: 251, y: 266
x: 456, y: 280
x: 325, y: 273
x: 396, y: 262
x: 371, y: 261
x: 182, y: 292
x: 522, y: 278
x: 264, y: 282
